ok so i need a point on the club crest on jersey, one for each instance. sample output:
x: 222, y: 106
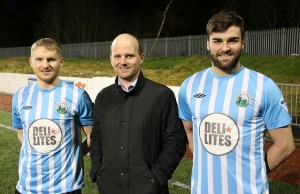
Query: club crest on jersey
x: 44, y: 135
x: 218, y: 133
x: 62, y: 108
x: 243, y: 100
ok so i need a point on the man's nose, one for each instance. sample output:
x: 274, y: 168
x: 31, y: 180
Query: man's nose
x: 225, y: 46
x: 123, y: 60
x: 45, y: 63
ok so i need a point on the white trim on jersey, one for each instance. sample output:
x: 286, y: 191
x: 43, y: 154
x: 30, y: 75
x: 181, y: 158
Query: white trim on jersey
x: 46, y: 169
x: 242, y: 98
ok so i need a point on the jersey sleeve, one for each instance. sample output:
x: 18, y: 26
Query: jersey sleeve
x: 85, y: 109
x: 183, y: 104
x: 275, y: 111
x: 16, y: 120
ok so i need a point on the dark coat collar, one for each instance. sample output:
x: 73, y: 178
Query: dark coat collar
x: 139, y: 85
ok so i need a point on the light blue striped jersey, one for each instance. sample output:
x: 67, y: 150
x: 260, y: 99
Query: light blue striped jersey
x: 51, y: 159
x: 230, y: 116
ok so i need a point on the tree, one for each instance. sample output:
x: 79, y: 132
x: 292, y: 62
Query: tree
x: 79, y: 21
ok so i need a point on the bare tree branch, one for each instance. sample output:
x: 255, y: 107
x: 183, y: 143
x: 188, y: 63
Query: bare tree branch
x: 161, y: 26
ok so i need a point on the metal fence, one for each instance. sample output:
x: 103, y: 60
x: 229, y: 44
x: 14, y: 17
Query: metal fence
x: 291, y: 95
x: 285, y: 41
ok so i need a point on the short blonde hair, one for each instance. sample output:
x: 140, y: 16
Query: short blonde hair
x: 47, y: 43
x: 139, y: 47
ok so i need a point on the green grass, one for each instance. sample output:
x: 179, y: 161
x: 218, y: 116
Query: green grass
x: 9, y: 152
x: 170, y: 71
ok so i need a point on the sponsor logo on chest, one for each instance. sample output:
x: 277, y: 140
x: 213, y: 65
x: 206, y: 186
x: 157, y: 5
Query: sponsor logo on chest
x: 219, y: 133
x: 44, y: 135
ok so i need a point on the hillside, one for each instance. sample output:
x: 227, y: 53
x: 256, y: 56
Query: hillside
x: 169, y: 71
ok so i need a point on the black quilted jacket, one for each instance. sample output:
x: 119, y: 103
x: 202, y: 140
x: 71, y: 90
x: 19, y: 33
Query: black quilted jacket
x: 137, y: 140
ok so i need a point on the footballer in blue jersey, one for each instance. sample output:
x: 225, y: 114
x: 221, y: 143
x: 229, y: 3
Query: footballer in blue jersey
x: 49, y: 115
x: 226, y: 111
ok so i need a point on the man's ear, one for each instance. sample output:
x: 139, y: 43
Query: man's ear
x: 207, y: 45
x: 243, y: 43
x: 142, y: 57
x: 110, y: 60
x: 61, y: 61
x: 30, y: 62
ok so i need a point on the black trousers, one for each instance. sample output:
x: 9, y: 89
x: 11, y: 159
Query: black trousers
x: 78, y: 191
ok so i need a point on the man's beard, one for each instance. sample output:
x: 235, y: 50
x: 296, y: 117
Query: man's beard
x: 228, y: 67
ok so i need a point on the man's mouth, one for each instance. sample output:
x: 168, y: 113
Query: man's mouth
x: 224, y: 56
x: 46, y: 71
x: 123, y: 68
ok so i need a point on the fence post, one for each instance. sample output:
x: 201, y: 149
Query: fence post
x: 166, y: 46
x: 282, y: 41
x: 189, y: 45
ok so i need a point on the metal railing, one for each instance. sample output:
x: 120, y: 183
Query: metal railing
x: 291, y: 95
x: 285, y: 41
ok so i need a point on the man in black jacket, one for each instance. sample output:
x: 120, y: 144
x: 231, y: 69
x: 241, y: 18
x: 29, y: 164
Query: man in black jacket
x: 137, y: 139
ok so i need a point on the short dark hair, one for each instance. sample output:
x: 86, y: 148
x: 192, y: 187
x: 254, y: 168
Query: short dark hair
x: 221, y: 21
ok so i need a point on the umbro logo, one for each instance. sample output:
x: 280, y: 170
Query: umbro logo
x: 27, y: 107
x: 199, y: 95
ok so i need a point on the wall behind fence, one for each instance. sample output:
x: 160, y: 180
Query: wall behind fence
x: 93, y: 85
x: 285, y: 41
x: 9, y: 85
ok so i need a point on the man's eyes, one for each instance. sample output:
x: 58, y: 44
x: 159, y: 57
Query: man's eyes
x: 48, y: 60
x: 129, y: 56
x: 235, y: 40
x: 217, y: 41
x: 230, y: 41
x: 126, y: 56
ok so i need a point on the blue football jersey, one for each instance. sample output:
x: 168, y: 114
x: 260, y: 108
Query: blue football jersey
x: 51, y: 160
x: 230, y: 116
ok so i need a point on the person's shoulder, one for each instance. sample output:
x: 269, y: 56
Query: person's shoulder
x: 152, y: 82
x: 24, y: 90
x: 156, y: 85
x: 158, y: 88
x: 107, y: 90
x: 260, y: 75
x: 194, y: 75
x: 72, y: 85
x: 26, y: 87
x: 68, y: 83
